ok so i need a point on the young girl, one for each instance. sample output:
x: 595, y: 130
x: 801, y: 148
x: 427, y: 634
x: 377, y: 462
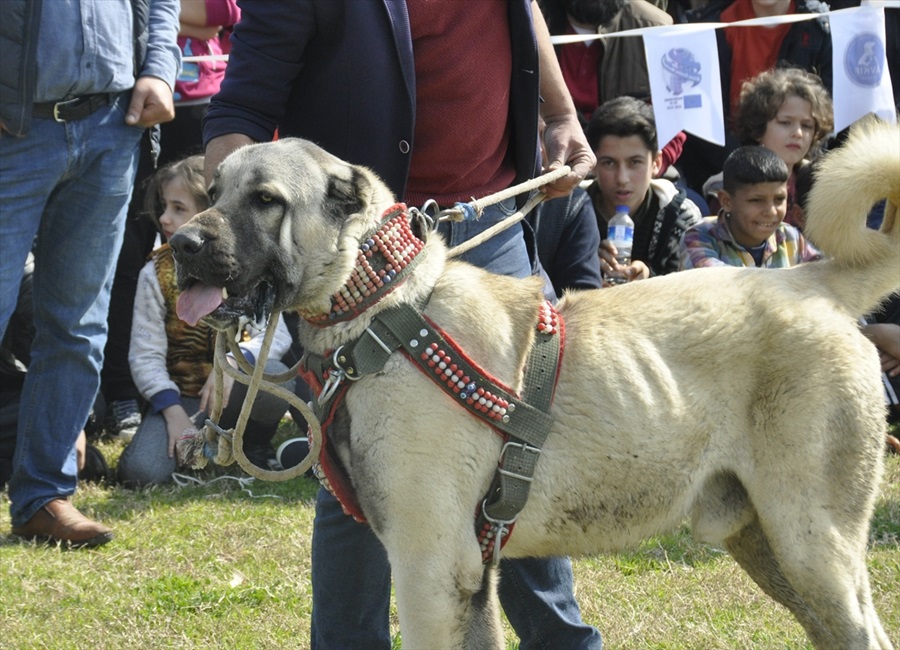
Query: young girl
x: 786, y: 110
x: 171, y: 361
x: 750, y: 229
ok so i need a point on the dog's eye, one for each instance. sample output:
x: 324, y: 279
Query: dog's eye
x: 265, y: 198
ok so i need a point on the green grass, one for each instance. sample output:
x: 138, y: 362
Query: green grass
x: 214, y: 567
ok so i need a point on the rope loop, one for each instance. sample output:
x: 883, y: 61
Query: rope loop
x: 226, y: 447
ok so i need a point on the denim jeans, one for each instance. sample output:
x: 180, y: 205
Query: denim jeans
x: 504, y: 253
x: 146, y: 461
x: 64, y: 188
x: 351, y: 576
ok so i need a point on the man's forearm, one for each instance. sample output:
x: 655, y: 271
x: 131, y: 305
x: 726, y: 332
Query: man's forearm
x: 218, y: 149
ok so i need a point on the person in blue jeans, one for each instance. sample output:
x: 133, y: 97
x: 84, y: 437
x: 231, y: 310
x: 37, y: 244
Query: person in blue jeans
x: 77, y: 90
x: 372, y: 83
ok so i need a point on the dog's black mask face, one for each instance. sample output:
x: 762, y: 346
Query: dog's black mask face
x: 280, y: 234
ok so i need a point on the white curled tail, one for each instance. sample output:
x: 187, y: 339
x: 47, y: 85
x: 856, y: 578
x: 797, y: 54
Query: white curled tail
x: 849, y: 181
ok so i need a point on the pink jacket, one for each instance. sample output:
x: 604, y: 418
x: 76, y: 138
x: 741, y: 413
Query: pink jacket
x: 198, y: 81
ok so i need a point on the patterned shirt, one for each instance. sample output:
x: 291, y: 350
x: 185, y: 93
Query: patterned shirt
x: 710, y: 243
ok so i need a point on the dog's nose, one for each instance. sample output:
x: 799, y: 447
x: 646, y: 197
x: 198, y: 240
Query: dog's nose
x: 186, y: 243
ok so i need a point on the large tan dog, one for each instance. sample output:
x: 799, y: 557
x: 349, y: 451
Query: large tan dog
x: 744, y: 398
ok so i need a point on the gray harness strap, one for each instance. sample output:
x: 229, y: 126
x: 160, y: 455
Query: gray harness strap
x: 520, y: 453
x: 524, y: 421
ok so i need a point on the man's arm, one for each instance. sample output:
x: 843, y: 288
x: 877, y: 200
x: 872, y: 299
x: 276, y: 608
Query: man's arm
x: 218, y: 149
x: 151, y: 99
x: 564, y: 139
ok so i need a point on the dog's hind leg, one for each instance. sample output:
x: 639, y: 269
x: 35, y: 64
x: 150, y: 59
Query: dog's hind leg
x: 750, y: 548
x: 724, y: 515
x: 820, y: 577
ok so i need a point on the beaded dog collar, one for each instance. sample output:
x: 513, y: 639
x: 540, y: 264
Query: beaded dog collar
x: 384, y: 260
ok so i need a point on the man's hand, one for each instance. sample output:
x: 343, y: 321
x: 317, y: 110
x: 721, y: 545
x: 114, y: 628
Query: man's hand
x: 151, y: 103
x: 886, y: 337
x: 218, y: 149
x: 565, y: 144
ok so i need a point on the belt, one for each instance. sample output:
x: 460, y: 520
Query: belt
x: 69, y: 110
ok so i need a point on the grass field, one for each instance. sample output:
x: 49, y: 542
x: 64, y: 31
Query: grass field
x: 226, y: 565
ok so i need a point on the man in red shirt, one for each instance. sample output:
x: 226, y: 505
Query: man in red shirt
x: 440, y: 99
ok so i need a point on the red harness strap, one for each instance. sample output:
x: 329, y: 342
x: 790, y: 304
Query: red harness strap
x: 328, y: 468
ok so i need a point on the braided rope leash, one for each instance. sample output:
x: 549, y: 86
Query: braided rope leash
x: 474, y: 210
x: 226, y: 447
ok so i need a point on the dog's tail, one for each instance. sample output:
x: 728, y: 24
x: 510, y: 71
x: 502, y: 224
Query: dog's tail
x: 864, y: 263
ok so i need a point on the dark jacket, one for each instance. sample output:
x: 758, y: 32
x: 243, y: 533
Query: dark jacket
x: 567, y: 239
x: 622, y: 68
x: 341, y: 73
x: 20, y: 22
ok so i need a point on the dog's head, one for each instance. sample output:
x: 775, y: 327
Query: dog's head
x: 282, y: 233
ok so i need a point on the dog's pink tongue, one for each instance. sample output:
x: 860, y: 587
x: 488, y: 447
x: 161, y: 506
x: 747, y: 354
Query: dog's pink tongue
x: 197, y: 301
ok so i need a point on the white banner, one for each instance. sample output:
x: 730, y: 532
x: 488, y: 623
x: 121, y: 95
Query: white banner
x: 684, y: 82
x: 862, y: 83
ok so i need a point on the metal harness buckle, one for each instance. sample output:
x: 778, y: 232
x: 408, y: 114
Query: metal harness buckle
x: 339, y: 374
x: 500, y: 528
x: 525, y: 447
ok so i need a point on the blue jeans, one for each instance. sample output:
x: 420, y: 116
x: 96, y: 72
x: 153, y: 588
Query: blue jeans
x: 64, y: 189
x: 351, y: 576
x: 504, y: 254
x: 146, y: 461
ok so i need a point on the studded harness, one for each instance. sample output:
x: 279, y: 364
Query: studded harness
x: 385, y: 259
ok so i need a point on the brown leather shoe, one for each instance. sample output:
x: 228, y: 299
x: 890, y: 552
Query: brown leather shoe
x: 60, y: 522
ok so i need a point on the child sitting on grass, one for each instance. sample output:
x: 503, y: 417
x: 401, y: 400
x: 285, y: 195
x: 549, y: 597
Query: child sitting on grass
x: 750, y: 229
x: 171, y: 361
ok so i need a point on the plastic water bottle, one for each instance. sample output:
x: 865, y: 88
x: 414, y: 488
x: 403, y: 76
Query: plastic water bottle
x: 621, y: 234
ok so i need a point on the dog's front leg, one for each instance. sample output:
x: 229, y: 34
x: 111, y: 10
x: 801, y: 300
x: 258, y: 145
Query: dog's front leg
x: 420, y: 465
x: 446, y: 600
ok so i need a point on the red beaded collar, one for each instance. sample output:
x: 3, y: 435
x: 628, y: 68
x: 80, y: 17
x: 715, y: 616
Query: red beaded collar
x: 385, y: 258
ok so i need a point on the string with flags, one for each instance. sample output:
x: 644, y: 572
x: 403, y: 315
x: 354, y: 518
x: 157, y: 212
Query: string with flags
x: 683, y: 63
x: 685, y: 86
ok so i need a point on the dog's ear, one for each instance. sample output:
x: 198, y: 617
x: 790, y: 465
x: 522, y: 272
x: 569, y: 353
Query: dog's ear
x: 349, y: 195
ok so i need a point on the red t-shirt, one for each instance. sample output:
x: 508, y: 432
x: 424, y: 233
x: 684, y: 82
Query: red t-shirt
x: 463, y: 69
x: 579, y: 63
x: 753, y: 49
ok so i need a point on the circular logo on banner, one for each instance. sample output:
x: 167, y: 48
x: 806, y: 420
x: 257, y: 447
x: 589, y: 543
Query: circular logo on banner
x: 864, y: 60
x: 681, y: 68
